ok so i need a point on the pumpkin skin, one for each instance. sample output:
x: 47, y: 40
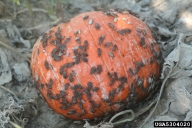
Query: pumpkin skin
x: 96, y: 63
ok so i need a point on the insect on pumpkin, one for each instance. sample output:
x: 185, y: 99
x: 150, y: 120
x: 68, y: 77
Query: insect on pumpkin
x: 99, y: 51
x: 101, y: 38
x: 97, y: 26
x: 46, y: 64
x: 86, y: 17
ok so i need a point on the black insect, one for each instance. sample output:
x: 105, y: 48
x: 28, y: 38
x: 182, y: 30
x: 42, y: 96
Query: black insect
x: 77, y: 39
x: 101, y: 38
x: 66, y: 65
x: 142, y: 42
x: 107, y: 44
x: 72, y: 111
x: 46, y: 64
x: 81, y: 105
x: 52, y: 42
x: 63, y: 101
x: 97, y: 26
x: 44, y: 39
x: 111, y: 54
x: 74, y: 100
x: 112, y: 81
x: 77, y: 60
x: 123, y: 80
x: 41, y: 86
x: 86, y: 43
x: 95, y: 89
x: 139, y: 64
x: 99, y: 51
x: 124, y: 31
x: 65, y: 74
x: 58, y: 35
x: 71, y: 64
x: 111, y: 94
x: 152, y: 60
x: 83, y: 48
x: 77, y: 114
x: 140, y: 82
x: 99, y: 69
x: 93, y: 70
x: 89, y: 85
x: 111, y: 26
x: 85, y: 54
x: 54, y: 97
x: 138, y: 30
x: 67, y: 40
x: 71, y: 77
x: 49, y: 85
x: 62, y: 92
x: 64, y: 107
x: 109, y: 74
x: 78, y: 86
x: 54, y: 54
x: 108, y: 13
x: 85, y: 17
x: 66, y: 86
x: 84, y: 59
x: 118, y: 89
x: 49, y: 94
x: 92, y: 110
x: 114, y: 47
x: 131, y: 72
x: 94, y: 104
x: 115, y: 76
x: 106, y: 100
x: 87, y: 93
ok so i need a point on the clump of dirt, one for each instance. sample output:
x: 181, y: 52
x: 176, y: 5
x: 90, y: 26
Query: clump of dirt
x: 22, y: 105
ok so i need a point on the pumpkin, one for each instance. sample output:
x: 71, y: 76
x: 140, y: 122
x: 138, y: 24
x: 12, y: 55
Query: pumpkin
x: 96, y: 63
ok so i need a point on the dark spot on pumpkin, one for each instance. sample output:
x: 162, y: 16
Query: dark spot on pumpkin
x: 89, y: 85
x: 97, y: 26
x: 65, y: 74
x: 111, y: 54
x: 67, y: 40
x: 46, y: 64
x: 72, y: 111
x: 86, y: 43
x: 95, y: 89
x: 99, y: 69
x: 111, y: 94
x: 41, y: 86
x: 107, y: 44
x: 49, y: 84
x: 142, y: 42
x: 94, y: 104
x: 86, y: 17
x: 131, y: 72
x: 93, y: 70
x: 99, y: 51
x: 71, y: 78
x: 101, y: 38
x: 112, y: 81
x: 84, y: 59
x: 111, y: 26
x: 124, y: 31
x: 66, y: 86
x: 114, y: 47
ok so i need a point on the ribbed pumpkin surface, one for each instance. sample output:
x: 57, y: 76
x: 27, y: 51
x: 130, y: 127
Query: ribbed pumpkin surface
x: 95, y: 64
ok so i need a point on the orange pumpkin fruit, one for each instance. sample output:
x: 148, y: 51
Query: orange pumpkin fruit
x: 96, y: 63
